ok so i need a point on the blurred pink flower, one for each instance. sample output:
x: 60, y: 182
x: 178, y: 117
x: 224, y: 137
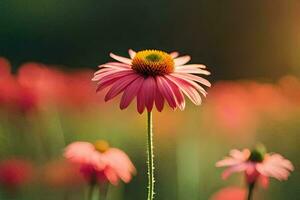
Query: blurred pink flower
x: 98, y: 162
x: 13, y: 96
x: 257, y: 165
x: 152, y: 77
x: 269, y: 100
x: 84, y: 97
x: 231, y: 108
x: 290, y: 87
x: 47, y: 84
x: 4, y: 67
x: 14, y: 173
x: 230, y: 193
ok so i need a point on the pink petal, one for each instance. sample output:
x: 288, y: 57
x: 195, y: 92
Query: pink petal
x: 190, y: 82
x: 78, y: 151
x: 194, y: 78
x: 131, y: 53
x: 237, y: 168
x: 281, y: 174
x: 178, y: 94
x: 263, y: 181
x: 103, y: 72
x: 181, y: 60
x: 105, y: 85
x: 192, y: 71
x: 120, y: 163
x: 147, y: 93
x: 166, y: 91
x: 84, y: 153
x: 159, y: 100
x: 119, y: 86
x: 279, y: 160
x: 130, y: 92
x: 275, y: 166
x: 191, y: 66
x: 228, y: 162
x: 122, y: 158
x: 111, y: 78
x: 115, y: 65
x: 150, y: 88
x: 174, y: 54
x: 266, y: 171
x: 187, y: 89
x: 140, y: 100
x: 121, y: 59
x: 112, y: 176
x: 240, y: 155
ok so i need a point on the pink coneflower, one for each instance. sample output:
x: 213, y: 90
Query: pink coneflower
x: 257, y: 166
x: 230, y: 193
x: 152, y: 76
x: 100, y: 163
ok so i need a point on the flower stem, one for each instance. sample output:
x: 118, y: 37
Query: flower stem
x: 150, y: 158
x: 103, y: 189
x: 250, y: 190
x: 91, y: 192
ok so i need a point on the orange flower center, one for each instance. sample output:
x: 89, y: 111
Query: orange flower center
x: 101, y: 146
x: 152, y: 63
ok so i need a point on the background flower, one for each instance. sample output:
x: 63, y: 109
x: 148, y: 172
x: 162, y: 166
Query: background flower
x: 15, y: 173
x: 230, y: 193
x: 100, y: 162
x: 257, y: 165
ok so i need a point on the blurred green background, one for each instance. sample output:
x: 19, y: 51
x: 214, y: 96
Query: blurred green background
x: 236, y: 39
x: 253, y: 45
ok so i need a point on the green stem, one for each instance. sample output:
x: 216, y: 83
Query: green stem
x: 150, y: 158
x: 91, y: 191
x: 250, y: 190
x: 103, y: 189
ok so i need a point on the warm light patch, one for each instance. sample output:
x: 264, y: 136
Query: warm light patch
x: 101, y: 146
x: 153, y: 62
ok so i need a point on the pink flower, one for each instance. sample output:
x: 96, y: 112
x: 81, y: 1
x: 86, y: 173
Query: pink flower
x: 45, y: 82
x: 230, y: 193
x: 100, y: 163
x: 257, y: 165
x: 152, y: 77
x: 14, y: 173
x: 4, y: 67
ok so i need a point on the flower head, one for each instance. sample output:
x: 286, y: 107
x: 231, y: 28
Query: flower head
x: 14, y: 173
x: 152, y: 76
x: 257, y: 165
x: 99, y: 162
